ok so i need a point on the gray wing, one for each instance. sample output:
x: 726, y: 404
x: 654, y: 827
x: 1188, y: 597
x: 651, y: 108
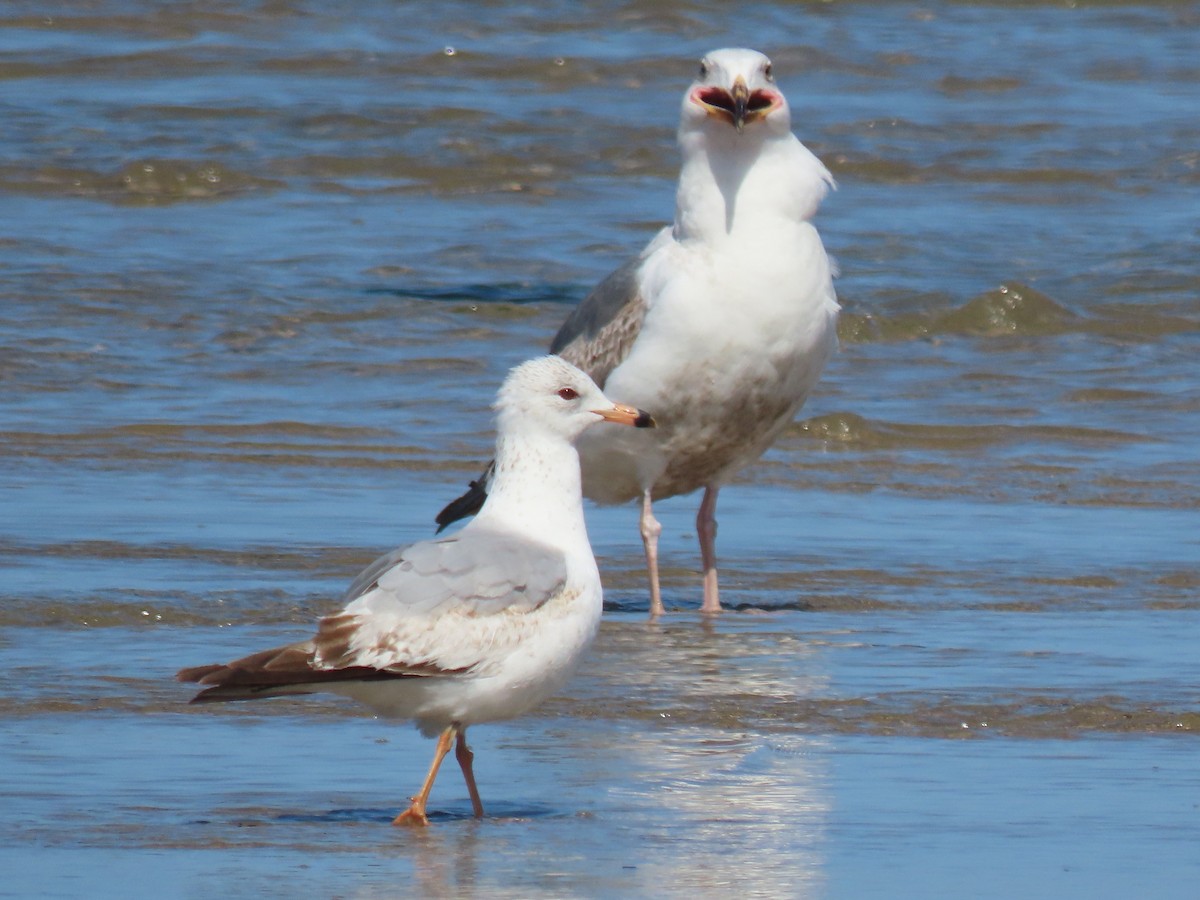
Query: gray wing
x: 478, y: 570
x: 600, y: 331
x: 411, y: 614
x: 367, y: 578
x: 425, y: 609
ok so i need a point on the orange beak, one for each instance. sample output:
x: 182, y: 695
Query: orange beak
x: 626, y: 415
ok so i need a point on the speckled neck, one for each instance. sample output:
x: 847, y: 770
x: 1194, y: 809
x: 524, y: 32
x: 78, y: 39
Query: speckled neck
x: 536, y: 488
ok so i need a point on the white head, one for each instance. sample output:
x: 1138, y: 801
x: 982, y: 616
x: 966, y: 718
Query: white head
x: 736, y: 90
x: 551, y: 396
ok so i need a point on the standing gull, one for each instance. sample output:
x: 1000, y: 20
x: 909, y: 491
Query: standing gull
x: 476, y: 627
x: 722, y: 325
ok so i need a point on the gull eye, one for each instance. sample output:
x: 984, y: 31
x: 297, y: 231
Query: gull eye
x: 568, y: 393
x: 703, y: 69
x: 767, y: 72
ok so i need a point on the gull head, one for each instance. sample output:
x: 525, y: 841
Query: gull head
x: 550, y: 396
x: 736, y: 88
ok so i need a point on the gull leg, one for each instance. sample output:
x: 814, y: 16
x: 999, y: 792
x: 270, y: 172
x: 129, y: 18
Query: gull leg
x: 651, y: 529
x: 465, y: 758
x: 415, y: 814
x: 706, y: 531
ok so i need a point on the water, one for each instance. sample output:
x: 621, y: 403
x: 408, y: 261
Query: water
x: 261, y: 270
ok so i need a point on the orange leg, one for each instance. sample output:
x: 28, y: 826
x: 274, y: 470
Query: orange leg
x: 706, y: 530
x: 465, y: 758
x: 651, y: 529
x: 415, y: 814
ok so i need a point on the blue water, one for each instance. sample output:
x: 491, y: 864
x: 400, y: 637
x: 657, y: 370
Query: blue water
x: 261, y: 271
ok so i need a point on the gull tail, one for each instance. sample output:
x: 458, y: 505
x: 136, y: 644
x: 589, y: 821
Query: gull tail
x: 278, y: 672
x: 290, y: 670
x: 269, y: 673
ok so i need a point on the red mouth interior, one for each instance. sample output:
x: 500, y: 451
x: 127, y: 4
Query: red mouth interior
x: 717, y: 97
x: 760, y: 100
x: 722, y: 99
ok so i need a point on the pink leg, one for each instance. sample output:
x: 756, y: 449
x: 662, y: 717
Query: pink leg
x: 465, y: 758
x: 706, y: 531
x: 651, y: 529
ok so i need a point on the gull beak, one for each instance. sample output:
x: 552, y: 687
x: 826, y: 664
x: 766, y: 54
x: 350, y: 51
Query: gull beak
x: 741, y: 100
x: 626, y: 415
x: 739, y: 104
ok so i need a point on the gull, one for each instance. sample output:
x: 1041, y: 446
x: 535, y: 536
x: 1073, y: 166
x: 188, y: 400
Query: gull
x: 476, y: 627
x: 721, y: 325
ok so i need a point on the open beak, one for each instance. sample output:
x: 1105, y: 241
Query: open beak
x: 626, y: 415
x: 738, y: 105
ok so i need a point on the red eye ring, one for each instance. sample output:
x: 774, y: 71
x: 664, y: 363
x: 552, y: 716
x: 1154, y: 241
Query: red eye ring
x: 568, y: 393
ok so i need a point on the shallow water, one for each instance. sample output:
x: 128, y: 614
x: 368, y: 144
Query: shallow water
x: 261, y: 270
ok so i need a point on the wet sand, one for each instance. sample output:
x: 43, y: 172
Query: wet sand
x: 770, y: 753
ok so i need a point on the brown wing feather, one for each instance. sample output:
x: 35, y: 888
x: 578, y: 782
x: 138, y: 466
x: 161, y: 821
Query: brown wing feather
x: 290, y: 669
x: 598, y: 334
x: 609, y: 347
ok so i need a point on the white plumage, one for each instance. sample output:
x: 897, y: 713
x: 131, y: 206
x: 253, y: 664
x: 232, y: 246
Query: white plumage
x: 476, y: 627
x: 723, y: 324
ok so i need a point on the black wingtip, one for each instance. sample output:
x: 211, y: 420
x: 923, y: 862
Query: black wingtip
x: 466, y: 505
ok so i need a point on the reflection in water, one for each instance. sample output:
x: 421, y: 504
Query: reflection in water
x: 704, y: 807
x: 677, y: 812
x: 444, y: 861
x: 745, y: 815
